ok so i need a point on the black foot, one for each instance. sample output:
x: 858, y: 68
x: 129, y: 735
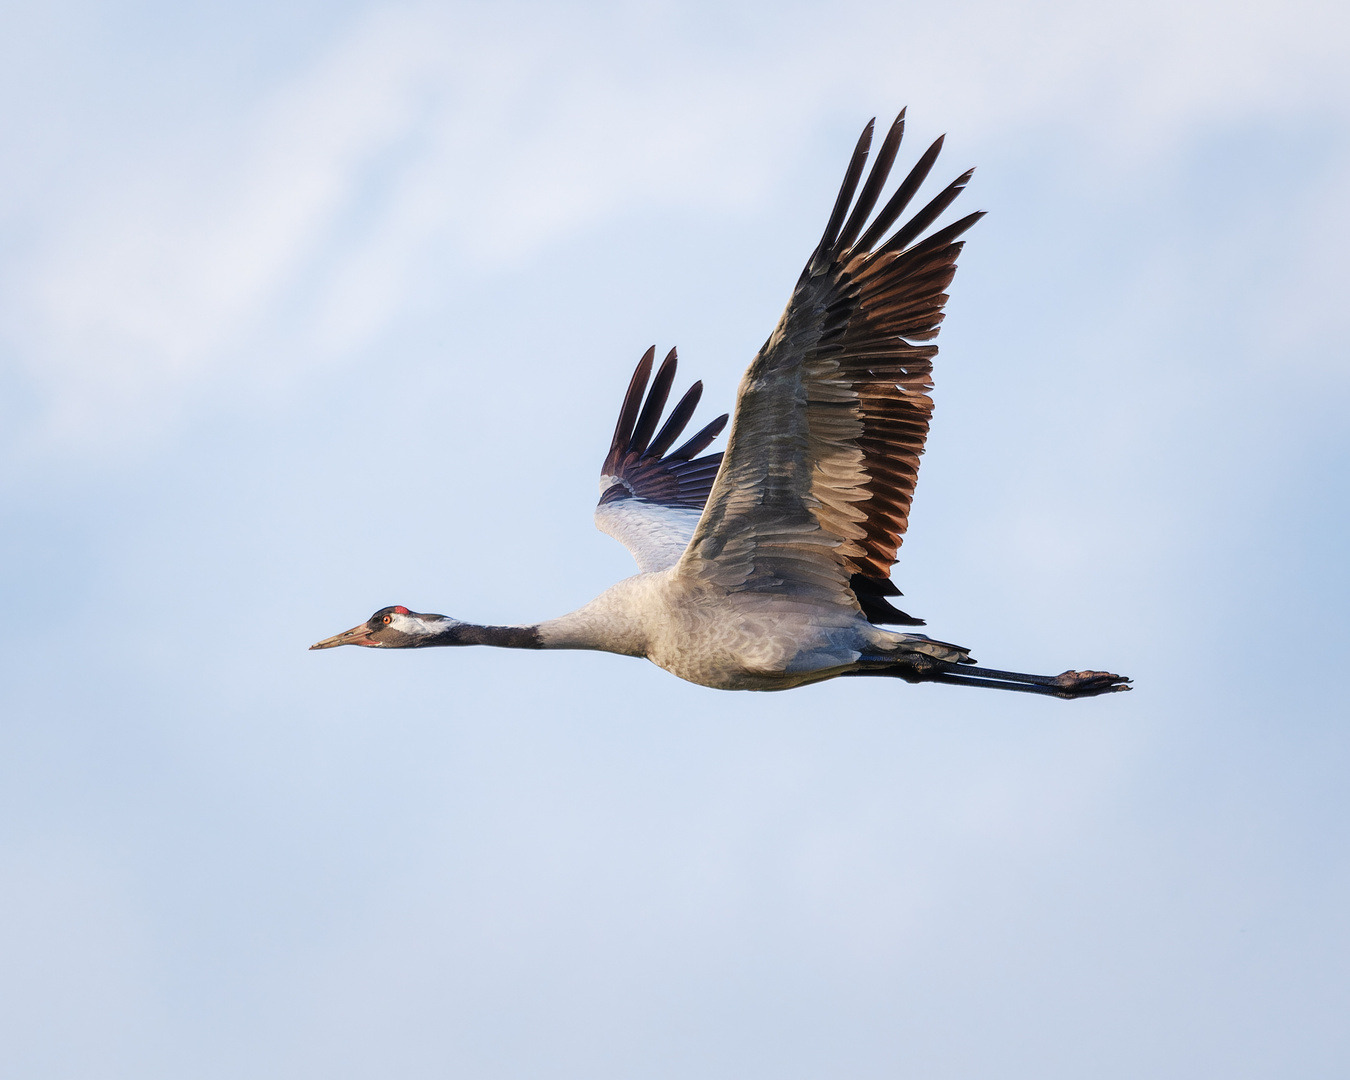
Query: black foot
x: 1074, y: 684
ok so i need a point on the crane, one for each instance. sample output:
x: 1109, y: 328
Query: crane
x: 768, y: 566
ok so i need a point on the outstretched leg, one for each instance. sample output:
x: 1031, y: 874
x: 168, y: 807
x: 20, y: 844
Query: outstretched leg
x: 915, y: 668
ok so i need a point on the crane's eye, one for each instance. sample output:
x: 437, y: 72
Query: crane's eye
x: 388, y: 619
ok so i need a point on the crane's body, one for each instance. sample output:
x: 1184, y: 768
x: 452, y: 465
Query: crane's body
x: 767, y: 566
x: 709, y: 635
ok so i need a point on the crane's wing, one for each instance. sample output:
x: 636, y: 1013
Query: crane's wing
x: 651, y: 500
x: 814, y: 492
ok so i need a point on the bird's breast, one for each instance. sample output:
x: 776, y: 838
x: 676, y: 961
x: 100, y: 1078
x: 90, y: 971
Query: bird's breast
x: 740, y: 641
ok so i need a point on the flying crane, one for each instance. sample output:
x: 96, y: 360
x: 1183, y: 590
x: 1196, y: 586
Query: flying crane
x: 768, y: 566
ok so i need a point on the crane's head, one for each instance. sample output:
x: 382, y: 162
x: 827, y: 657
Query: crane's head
x: 396, y: 628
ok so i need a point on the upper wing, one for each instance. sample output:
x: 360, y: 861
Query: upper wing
x: 651, y: 501
x: 815, y: 488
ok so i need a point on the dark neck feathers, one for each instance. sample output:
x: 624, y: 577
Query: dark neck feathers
x: 501, y: 637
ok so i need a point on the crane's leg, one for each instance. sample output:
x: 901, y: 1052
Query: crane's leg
x: 916, y: 668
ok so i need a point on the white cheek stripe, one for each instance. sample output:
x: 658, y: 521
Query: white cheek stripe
x: 414, y: 627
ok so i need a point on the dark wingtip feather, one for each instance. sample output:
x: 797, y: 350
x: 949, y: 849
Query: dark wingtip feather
x: 895, y: 206
x: 655, y: 404
x: 841, y: 203
x: 701, y: 440
x: 876, y: 180
x: 623, y: 430
x: 636, y: 458
x: 676, y: 422
x: 915, y: 226
x: 947, y: 234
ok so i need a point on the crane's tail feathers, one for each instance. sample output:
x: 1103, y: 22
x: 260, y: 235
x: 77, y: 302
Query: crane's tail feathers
x: 914, y: 646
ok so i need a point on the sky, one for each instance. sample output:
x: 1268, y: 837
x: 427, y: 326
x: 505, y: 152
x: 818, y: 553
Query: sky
x: 306, y: 309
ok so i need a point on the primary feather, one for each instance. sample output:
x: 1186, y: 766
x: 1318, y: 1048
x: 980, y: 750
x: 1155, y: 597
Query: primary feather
x: 650, y: 500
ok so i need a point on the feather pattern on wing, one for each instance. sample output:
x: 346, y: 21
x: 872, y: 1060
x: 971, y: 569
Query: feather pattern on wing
x: 814, y: 493
x: 651, y: 499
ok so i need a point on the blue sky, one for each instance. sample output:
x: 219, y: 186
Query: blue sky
x: 307, y: 309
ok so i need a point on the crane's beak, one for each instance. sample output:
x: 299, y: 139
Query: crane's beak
x: 357, y: 635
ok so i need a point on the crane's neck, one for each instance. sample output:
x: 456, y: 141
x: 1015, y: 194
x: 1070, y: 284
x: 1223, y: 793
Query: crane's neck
x: 579, y: 630
x: 502, y: 637
x: 619, y: 620
x: 615, y: 621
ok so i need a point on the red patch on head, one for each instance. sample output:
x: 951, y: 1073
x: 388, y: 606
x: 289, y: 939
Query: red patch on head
x: 401, y: 609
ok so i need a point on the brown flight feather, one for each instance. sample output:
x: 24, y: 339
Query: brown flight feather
x: 817, y: 480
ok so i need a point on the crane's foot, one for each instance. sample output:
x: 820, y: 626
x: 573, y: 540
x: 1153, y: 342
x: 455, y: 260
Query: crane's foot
x: 1071, y: 684
x: 1068, y: 684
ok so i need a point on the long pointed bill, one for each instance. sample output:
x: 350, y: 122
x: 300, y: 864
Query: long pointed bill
x: 357, y: 635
